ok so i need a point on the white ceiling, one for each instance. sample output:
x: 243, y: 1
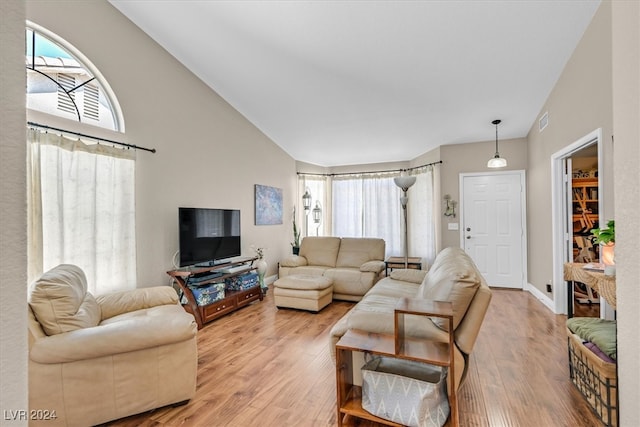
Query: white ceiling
x: 356, y: 82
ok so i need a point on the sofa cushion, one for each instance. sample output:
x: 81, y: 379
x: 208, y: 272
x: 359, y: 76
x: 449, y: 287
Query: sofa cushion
x: 350, y: 281
x: 356, y: 251
x: 375, y: 313
x: 320, y: 251
x: 455, y: 279
x: 408, y: 275
x: 293, y: 261
x: 60, y: 301
x: 372, y: 267
x: 394, y: 288
x: 116, y: 303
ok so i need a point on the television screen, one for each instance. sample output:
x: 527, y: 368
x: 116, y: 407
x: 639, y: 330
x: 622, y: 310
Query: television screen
x: 208, y: 235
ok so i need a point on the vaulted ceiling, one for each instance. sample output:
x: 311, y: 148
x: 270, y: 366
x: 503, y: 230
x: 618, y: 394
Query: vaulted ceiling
x: 356, y: 82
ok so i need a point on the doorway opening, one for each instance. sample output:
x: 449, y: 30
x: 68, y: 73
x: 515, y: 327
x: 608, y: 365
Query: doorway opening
x: 577, y: 208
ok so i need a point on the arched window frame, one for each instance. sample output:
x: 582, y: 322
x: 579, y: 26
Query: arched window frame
x: 119, y: 125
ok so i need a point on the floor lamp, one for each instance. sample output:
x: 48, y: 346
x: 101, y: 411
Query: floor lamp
x: 404, y: 182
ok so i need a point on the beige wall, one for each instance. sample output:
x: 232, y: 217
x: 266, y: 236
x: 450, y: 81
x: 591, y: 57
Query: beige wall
x: 579, y: 103
x: 626, y: 110
x: 13, y: 211
x: 465, y: 158
x: 208, y: 154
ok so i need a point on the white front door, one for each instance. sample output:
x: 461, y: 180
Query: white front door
x: 493, y: 226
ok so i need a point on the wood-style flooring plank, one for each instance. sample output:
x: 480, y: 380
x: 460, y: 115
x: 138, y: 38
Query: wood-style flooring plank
x: 260, y: 366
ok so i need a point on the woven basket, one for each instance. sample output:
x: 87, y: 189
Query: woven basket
x: 608, y: 292
x: 596, y: 379
x: 410, y: 393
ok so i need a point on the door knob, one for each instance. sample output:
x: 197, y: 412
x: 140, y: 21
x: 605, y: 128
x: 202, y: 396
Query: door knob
x: 468, y: 237
x: 468, y: 228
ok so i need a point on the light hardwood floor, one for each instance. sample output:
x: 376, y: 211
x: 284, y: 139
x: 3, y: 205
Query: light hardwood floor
x: 261, y: 366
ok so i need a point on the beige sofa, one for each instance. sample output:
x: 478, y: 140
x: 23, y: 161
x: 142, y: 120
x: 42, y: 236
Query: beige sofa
x: 353, y: 264
x: 92, y: 360
x: 452, y: 277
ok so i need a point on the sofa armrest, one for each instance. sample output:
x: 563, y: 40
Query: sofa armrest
x: 166, y: 325
x: 372, y: 266
x: 293, y: 261
x: 409, y: 275
x: 116, y: 303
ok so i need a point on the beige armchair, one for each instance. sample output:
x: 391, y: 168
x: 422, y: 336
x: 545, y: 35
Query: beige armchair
x: 92, y: 360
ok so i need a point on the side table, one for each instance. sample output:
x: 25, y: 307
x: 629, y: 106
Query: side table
x: 349, y: 396
x: 398, y: 262
x: 596, y: 280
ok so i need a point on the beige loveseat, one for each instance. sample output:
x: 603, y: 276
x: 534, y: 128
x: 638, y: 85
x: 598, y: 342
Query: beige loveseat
x: 92, y: 360
x: 354, y: 264
x: 452, y: 277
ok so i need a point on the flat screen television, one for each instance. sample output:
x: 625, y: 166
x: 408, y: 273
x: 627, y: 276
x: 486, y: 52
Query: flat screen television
x: 208, y: 236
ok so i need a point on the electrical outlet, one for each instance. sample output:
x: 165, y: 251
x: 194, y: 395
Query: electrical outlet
x: 549, y: 289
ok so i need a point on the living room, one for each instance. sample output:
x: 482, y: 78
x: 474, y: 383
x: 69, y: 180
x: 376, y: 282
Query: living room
x: 185, y: 119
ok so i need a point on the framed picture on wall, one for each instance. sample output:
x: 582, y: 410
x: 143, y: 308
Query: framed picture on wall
x: 268, y: 205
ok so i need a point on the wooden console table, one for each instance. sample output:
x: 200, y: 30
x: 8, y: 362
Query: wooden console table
x: 596, y: 280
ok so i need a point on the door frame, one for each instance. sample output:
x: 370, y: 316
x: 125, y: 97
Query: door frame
x: 559, y: 200
x: 523, y: 211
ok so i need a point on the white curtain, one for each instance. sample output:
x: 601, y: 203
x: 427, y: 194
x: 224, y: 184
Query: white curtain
x: 368, y: 205
x: 82, y: 210
x: 423, y: 219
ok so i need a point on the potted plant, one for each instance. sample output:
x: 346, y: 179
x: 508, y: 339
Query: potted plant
x: 296, y: 235
x: 606, y: 237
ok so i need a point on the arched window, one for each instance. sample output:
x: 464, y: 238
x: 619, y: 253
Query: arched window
x: 81, y: 202
x: 61, y: 81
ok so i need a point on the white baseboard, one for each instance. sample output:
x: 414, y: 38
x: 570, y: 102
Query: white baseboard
x: 544, y: 298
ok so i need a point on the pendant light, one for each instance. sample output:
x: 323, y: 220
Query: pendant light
x: 496, y: 161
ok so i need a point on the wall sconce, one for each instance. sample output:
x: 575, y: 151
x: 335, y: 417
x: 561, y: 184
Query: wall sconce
x: 306, y: 204
x: 451, y: 206
x: 306, y: 201
x: 316, y: 213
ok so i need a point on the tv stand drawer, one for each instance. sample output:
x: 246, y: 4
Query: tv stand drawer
x: 217, y: 309
x: 245, y: 297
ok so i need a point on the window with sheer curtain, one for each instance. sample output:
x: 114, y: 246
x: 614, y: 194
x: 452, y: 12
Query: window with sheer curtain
x: 368, y: 205
x: 82, y: 210
x: 316, y: 185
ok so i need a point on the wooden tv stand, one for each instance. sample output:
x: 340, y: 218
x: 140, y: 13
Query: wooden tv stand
x: 232, y: 300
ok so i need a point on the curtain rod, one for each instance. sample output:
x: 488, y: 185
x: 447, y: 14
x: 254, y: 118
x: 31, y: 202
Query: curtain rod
x: 371, y: 172
x: 97, y: 138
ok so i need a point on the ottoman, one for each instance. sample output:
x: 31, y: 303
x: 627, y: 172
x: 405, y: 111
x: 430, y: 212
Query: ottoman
x: 304, y: 292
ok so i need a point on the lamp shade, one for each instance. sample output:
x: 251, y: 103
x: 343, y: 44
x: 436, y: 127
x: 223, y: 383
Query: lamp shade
x: 404, y: 181
x: 497, y: 162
